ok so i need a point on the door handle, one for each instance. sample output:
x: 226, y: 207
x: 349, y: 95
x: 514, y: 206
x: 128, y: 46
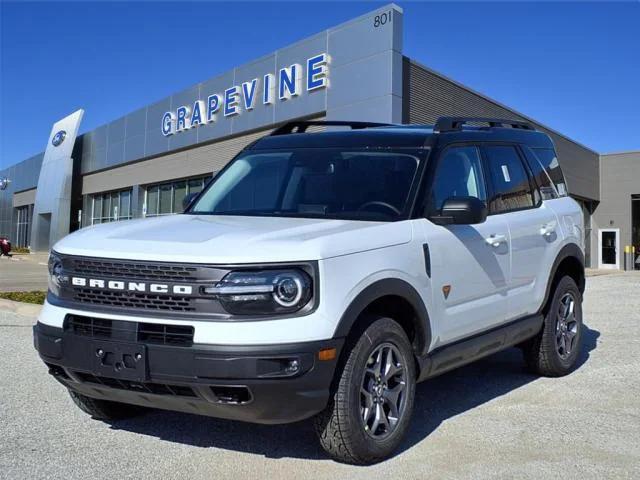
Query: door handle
x: 548, y: 229
x: 495, y: 240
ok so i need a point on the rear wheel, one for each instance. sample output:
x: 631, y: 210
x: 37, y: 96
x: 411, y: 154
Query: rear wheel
x: 104, y: 409
x: 555, y: 350
x: 369, y: 413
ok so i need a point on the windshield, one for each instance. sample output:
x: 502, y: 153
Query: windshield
x: 315, y: 183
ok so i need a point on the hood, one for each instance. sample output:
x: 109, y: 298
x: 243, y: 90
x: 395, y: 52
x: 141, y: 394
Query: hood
x: 230, y: 239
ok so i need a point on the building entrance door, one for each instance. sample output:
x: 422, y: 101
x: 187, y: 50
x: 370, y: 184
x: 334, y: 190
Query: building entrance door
x: 635, y: 230
x: 609, y: 246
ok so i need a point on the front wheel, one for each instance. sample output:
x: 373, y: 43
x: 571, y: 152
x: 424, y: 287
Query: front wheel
x: 370, y: 411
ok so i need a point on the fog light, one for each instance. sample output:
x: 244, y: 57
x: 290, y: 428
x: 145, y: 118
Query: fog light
x: 292, y: 367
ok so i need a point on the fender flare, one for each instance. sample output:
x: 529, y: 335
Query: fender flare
x: 382, y: 288
x: 569, y: 250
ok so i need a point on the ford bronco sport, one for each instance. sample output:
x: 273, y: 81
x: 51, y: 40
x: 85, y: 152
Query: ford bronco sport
x: 323, y: 274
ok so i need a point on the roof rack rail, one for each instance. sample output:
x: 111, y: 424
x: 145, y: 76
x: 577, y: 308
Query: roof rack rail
x: 301, y: 126
x: 450, y: 124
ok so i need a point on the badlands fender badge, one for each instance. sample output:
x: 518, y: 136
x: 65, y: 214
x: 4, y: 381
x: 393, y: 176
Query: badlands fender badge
x: 446, y: 290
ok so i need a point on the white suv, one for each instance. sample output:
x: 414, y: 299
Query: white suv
x: 323, y: 275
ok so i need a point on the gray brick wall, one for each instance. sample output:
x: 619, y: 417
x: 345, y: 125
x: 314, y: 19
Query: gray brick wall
x: 431, y: 95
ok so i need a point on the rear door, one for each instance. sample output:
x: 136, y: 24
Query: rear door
x: 533, y: 226
x: 469, y: 263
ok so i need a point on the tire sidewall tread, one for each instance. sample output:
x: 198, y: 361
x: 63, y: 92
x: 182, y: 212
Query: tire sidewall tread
x: 339, y: 427
x: 541, y: 352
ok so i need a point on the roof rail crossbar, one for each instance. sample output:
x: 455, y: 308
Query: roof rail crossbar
x: 301, y: 126
x: 449, y: 124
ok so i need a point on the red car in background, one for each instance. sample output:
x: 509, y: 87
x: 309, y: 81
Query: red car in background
x: 5, y: 246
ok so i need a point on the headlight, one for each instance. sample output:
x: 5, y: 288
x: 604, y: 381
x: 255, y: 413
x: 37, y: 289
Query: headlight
x: 57, y: 276
x: 263, y: 292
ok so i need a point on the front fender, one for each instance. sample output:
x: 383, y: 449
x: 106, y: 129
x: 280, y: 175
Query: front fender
x: 385, y: 287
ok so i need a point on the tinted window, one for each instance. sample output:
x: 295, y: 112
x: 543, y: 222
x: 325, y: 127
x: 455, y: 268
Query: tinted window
x: 509, y: 179
x: 546, y: 188
x: 549, y: 161
x: 459, y: 174
x: 261, y: 187
x: 313, y: 182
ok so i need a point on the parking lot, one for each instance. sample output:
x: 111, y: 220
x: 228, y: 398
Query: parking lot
x: 487, y: 420
x: 23, y: 273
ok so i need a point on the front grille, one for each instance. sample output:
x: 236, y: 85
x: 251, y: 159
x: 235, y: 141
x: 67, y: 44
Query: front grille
x: 146, y: 387
x: 89, y: 327
x: 165, y: 334
x: 179, y: 296
x: 131, y: 269
x: 146, y: 301
x: 152, y: 333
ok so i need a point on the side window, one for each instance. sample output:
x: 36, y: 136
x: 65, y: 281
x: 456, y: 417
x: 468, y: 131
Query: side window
x: 458, y: 174
x: 509, y: 179
x: 541, y: 176
x: 549, y: 160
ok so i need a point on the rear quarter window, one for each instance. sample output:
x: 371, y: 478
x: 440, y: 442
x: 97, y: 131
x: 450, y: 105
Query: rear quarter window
x: 546, y: 159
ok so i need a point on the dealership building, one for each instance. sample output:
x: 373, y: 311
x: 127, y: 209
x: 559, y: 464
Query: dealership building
x: 144, y: 163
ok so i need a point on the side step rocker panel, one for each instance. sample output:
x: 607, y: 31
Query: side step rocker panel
x: 462, y: 352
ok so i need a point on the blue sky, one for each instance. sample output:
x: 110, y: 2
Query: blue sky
x: 573, y: 66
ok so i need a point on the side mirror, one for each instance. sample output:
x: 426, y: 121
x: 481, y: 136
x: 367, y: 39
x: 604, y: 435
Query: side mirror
x: 186, y: 201
x: 461, y: 211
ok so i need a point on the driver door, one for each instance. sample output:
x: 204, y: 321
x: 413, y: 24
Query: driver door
x: 470, y: 264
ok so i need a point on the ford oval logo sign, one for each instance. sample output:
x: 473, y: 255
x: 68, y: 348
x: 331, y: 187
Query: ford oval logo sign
x: 58, y: 138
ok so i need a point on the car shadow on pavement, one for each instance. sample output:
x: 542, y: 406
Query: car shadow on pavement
x: 458, y: 391
x: 437, y: 400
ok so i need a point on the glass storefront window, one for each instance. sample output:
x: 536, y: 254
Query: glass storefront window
x: 179, y: 192
x: 23, y: 226
x: 125, y: 204
x: 111, y: 207
x: 97, y: 209
x: 152, y: 201
x: 166, y: 198
x: 196, y: 185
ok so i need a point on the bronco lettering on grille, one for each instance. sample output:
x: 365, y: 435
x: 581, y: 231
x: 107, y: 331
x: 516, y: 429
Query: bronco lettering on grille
x: 131, y: 286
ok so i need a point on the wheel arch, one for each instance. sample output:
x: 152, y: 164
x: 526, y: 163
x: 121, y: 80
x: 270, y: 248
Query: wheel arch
x: 569, y: 261
x: 396, y: 299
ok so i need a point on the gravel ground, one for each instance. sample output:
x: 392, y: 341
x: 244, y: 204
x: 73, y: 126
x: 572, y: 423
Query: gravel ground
x: 487, y: 420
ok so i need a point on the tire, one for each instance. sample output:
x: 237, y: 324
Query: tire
x: 545, y: 354
x: 341, y: 426
x: 105, y: 409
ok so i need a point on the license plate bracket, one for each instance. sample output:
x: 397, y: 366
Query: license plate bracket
x: 123, y: 361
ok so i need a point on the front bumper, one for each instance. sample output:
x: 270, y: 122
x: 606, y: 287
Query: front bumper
x: 240, y: 383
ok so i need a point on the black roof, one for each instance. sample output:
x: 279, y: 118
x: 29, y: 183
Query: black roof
x: 400, y: 136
